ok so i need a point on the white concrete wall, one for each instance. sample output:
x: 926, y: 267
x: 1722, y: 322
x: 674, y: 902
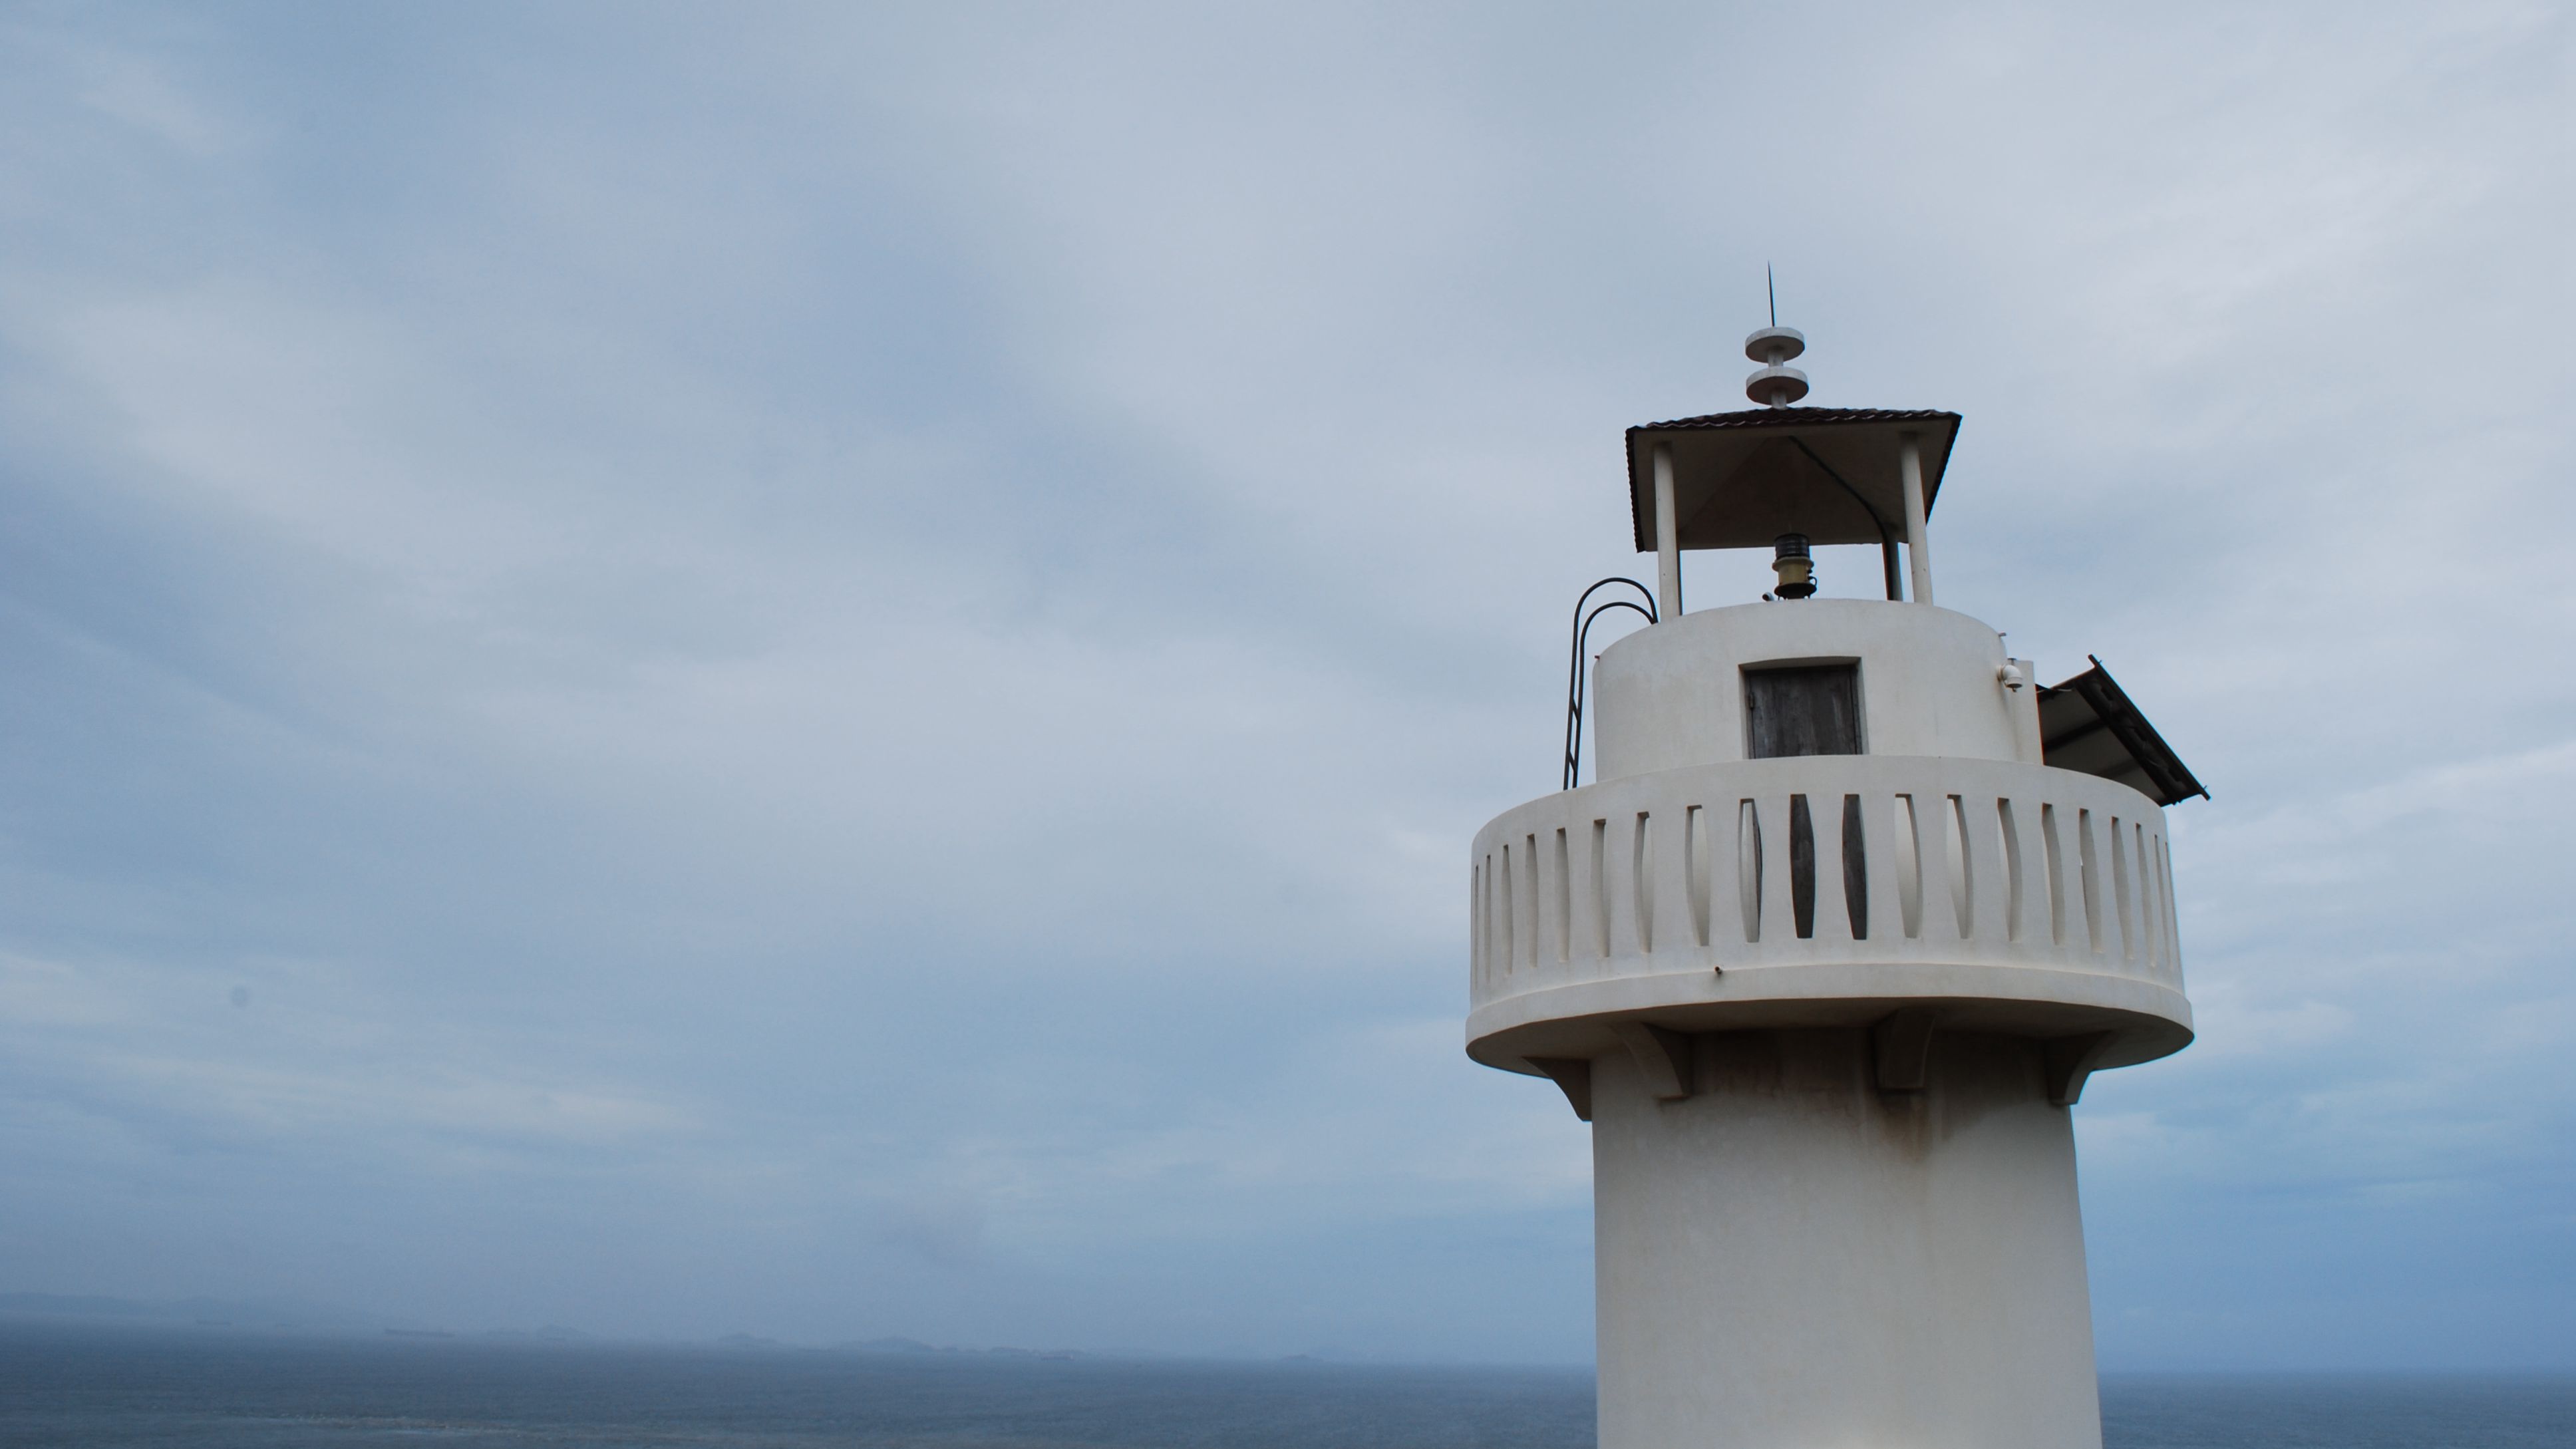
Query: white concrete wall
x: 1791, y: 1259
x: 2024, y: 895
x: 1673, y: 695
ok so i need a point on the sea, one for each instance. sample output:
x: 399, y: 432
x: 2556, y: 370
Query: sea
x: 126, y: 1388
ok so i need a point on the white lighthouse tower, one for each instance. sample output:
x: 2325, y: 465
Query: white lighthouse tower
x: 1824, y: 956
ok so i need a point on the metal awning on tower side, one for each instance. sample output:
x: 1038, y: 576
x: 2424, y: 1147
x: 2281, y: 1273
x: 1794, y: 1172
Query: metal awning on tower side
x: 2087, y: 724
x: 1742, y: 479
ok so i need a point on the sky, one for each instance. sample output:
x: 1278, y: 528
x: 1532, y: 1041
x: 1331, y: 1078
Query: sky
x: 824, y: 670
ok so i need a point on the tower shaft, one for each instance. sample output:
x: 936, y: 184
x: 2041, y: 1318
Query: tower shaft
x: 1793, y: 1256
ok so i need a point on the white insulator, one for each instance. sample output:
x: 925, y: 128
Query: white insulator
x: 1776, y: 386
x: 1774, y: 345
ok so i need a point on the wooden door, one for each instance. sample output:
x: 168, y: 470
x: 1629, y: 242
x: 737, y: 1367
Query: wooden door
x: 1809, y: 709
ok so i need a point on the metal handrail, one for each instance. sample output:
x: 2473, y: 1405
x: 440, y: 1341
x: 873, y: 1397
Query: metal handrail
x: 1574, y: 673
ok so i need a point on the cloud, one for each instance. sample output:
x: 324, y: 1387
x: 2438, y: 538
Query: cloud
x: 846, y: 652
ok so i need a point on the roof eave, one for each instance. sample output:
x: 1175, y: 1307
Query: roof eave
x: 1640, y: 488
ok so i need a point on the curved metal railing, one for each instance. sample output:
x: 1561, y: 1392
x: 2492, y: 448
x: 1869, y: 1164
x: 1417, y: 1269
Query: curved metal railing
x: 1575, y: 675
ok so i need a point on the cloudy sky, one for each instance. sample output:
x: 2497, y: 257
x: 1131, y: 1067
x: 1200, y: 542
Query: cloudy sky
x: 825, y: 670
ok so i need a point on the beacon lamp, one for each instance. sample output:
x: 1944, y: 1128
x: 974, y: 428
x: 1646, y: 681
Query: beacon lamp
x: 1796, y: 568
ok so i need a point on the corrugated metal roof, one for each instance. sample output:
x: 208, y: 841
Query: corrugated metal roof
x: 2089, y: 724
x: 1742, y: 478
x: 1789, y: 417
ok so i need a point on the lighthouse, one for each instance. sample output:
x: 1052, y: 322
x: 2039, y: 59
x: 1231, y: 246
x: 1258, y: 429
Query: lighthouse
x: 1825, y: 955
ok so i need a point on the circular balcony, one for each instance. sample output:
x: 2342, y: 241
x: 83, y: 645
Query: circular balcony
x: 1828, y: 891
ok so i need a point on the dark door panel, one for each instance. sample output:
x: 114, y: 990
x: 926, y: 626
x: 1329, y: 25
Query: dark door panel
x: 1804, y: 710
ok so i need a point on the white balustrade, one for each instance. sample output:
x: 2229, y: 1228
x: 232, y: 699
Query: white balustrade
x: 1745, y: 864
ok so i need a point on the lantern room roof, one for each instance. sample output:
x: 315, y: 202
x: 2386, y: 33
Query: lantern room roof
x: 1742, y: 479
